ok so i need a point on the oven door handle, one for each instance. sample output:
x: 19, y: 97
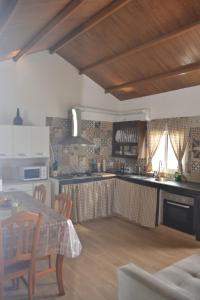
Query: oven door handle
x: 177, y: 204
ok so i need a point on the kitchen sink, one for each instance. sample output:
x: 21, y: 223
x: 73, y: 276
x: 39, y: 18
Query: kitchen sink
x: 152, y: 179
x: 161, y: 179
x: 139, y: 177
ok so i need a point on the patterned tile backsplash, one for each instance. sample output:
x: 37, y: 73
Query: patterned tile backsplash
x: 78, y: 158
x: 74, y: 158
x: 195, y: 149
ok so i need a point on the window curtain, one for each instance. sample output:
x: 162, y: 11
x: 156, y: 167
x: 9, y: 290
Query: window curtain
x: 179, y: 130
x: 155, y: 130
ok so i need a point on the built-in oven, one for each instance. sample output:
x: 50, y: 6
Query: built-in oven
x: 179, y: 216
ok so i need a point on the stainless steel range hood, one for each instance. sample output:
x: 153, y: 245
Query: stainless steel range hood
x: 76, y: 138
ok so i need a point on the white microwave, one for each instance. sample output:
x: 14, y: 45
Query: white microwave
x: 33, y: 173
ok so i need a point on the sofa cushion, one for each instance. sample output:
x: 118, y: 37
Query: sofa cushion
x: 184, y: 276
x: 190, y: 265
x: 136, y: 284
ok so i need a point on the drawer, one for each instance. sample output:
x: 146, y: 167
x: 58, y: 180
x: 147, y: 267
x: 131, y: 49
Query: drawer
x: 18, y: 187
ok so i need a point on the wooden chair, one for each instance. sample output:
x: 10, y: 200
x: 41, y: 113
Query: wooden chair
x: 19, y: 235
x: 63, y: 205
x: 40, y: 193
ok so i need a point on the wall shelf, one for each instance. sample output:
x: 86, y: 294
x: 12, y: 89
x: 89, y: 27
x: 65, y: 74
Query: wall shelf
x: 129, y: 139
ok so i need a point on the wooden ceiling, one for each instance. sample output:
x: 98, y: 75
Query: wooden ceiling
x: 132, y: 48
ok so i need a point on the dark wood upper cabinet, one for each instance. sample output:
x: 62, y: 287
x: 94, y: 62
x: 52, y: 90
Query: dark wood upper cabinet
x: 129, y: 139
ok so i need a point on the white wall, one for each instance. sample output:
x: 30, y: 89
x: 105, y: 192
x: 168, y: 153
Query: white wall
x: 179, y: 103
x: 40, y: 85
x: 93, y: 95
x: 46, y: 85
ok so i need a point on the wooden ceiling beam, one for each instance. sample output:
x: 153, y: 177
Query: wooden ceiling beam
x: 62, y: 14
x: 145, y: 46
x: 94, y: 20
x: 7, y: 11
x: 167, y: 75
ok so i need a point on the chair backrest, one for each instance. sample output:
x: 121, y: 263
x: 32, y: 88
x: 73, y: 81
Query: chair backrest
x: 19, y: 235
x: 40, y: 193
x: 63, y: 204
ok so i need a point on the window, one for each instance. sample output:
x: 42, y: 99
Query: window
x: 165, y: 154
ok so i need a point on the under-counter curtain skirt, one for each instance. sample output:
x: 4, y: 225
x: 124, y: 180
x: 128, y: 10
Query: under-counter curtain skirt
x: 91, y: 200
x: 135, y: 202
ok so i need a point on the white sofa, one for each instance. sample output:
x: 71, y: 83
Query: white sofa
x: 180, y: 281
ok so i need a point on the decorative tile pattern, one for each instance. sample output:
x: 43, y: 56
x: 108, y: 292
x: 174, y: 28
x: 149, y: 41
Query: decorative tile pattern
x: 60, y: 128
x: 195, y: 149
x: 195, y: 166
x: 79, y: 158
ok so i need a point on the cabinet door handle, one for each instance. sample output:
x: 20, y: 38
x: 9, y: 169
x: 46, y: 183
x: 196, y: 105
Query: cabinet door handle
x: 21, y: 154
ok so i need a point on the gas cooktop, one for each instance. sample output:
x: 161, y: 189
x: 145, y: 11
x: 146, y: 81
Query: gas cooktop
x: 75, y: 175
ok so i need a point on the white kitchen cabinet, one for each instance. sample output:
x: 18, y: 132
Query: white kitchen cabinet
x: 24, y: 141
x: 39, y: 141
x: 21, y: 141
x: 55, y: 185
x: 6, y: 141
x: 24, y: 187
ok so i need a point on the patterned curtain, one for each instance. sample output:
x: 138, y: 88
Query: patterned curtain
x: 179, y: 130
x: 155, y: 130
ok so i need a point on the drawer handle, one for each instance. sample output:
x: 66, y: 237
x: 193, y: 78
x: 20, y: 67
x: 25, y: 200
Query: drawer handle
x: 39, y: 153
x: 2, y: 154
x: 177, y: 204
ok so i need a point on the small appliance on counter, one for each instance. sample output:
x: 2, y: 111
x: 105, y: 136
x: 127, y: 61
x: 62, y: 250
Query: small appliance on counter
x: 98, y: 165
x: 54, y: 171
x: 104, y: 165
x: 33, y: 173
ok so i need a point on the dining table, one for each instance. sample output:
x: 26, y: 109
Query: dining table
x: 57, y: 234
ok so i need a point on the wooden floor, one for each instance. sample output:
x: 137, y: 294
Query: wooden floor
x: 108, y: 244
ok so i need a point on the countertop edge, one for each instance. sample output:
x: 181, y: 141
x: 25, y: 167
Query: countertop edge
x: 186, y: 188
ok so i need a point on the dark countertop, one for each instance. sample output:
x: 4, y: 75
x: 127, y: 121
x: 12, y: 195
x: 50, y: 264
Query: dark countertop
x: 83, y: 179
x: 185, y: 188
